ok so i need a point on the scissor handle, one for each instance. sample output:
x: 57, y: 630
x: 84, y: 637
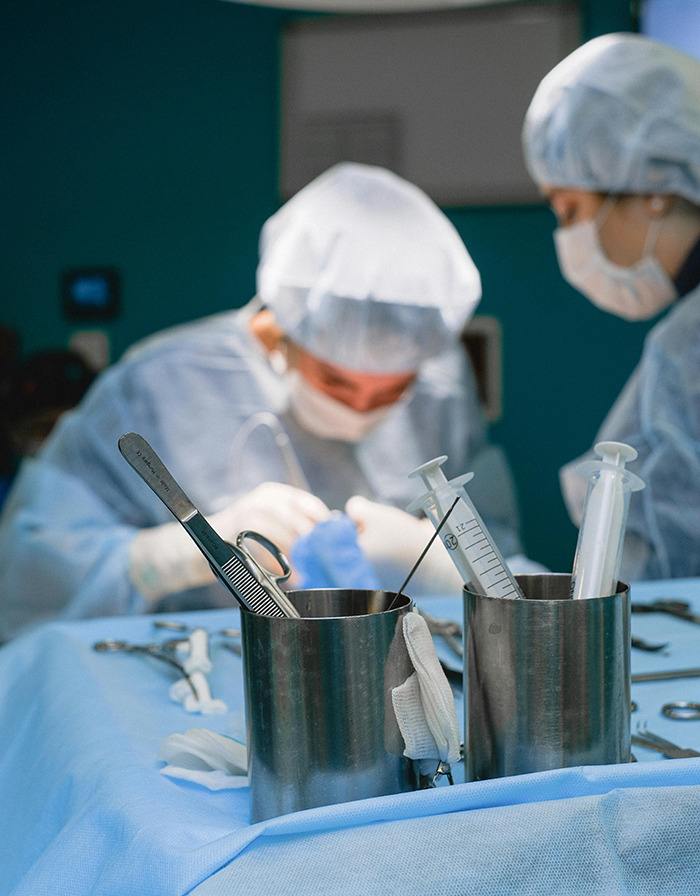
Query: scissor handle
x: 271, y: 548
x: 681, y: 709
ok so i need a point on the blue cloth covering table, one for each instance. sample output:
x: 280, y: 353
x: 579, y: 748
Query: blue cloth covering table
x: 84, y: 808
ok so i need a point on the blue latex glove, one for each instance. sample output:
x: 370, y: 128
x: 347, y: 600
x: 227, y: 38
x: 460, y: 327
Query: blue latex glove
x: 330, y: 557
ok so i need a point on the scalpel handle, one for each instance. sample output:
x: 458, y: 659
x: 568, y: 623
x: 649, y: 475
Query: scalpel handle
x: 143, y: 459
x: 230, y: 564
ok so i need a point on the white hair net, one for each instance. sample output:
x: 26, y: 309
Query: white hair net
x: 621, y: 114
x: 363, y: 270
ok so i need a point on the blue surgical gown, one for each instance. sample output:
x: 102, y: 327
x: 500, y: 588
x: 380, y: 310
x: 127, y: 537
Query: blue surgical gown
x: 658, y: 414
x: 69, y: 520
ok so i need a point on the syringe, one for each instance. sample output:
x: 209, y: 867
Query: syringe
x: 602, y: 530
x: 466, y: 538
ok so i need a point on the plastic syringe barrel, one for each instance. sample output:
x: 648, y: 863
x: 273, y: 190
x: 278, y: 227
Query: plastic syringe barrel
x: 601, y: 534
x: 464, y: 534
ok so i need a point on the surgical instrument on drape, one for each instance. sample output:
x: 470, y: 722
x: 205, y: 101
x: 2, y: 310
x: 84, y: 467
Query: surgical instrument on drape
x: 673, y: 607
x: 646, y: 738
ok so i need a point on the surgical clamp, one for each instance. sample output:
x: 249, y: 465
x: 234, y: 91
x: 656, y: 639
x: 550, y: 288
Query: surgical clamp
x: 646, y: 738
x: 679, y: 608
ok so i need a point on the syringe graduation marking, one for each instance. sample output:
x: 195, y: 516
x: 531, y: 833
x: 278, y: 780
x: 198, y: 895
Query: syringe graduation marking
x: 471, y: 548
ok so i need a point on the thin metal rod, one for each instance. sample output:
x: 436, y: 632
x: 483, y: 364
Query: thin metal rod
x: 667, y: 675
x: 424, y: 552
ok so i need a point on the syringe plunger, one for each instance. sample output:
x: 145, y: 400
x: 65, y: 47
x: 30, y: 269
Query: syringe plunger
x: 601, y: 534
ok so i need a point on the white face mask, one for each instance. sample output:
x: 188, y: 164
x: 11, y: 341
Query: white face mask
x: 327, y: 417
x: 635, y: 293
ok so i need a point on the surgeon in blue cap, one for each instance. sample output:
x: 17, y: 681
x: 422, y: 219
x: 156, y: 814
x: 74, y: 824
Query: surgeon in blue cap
x: 612, y: 137
x: 341, y: 376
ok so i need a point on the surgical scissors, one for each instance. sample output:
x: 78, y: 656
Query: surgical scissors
x: 684, y: 710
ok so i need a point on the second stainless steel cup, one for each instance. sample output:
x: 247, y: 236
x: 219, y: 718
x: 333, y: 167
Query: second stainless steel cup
x: 547, y: 679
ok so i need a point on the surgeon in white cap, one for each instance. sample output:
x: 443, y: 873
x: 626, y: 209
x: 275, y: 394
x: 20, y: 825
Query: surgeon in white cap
x: 341, y: 376
x: 612, y: 137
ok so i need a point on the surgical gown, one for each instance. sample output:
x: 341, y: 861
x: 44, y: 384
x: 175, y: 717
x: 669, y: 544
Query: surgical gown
x: 658, y: 413
x: 68, y: 523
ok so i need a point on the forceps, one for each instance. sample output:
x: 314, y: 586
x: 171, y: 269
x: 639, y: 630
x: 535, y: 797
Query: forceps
x: 254, y: 587
x: 646, y: 738
x: 679, y: 608
x: 640, y: 644
x: 157, y: 651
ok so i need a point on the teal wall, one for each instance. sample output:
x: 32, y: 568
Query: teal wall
x: 143, y: 134
x: 140, y: 134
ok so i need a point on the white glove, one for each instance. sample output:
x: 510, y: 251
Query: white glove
x: 164, y: 559
x: 393, y: 540
x: 278, y: 511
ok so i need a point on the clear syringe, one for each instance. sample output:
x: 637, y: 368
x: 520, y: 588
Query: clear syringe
x: 466, y: 538
x: 602, y: 530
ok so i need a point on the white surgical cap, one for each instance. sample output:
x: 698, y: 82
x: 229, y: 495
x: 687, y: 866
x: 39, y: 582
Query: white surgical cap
x: 364, y: 271
x: 621, y: 114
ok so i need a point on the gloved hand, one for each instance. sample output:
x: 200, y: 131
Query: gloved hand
x: 330, y: 557
x: 164, y: 559
x: 393, y: 540
x: 278, y: 511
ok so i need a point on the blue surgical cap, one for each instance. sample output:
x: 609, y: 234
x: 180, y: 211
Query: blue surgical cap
x: 364, y: 271
x: 621, y: 114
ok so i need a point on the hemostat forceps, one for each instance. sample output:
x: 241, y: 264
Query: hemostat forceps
x: 646, y: 738
x: 671, y: 606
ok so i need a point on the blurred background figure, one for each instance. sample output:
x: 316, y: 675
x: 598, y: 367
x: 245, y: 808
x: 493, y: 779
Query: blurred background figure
x: 321, y: 395
x: 9, y: 352
x: 43, y: 386
x: 36, y: 390
x: 612, y: 137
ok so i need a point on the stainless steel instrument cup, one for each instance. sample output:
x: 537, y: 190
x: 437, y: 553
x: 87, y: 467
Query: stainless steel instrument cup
x: 320, y: 723
x: 547, y: 679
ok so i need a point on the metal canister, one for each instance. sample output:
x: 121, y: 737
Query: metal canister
x: 547, y: 679
x: 320, y: 723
